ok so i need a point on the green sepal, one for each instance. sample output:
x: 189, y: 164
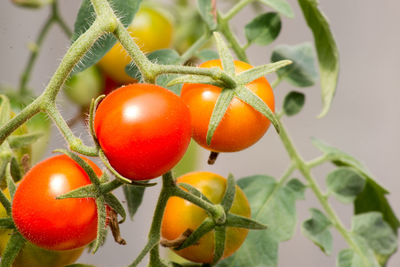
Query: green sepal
x: 234, y: 220
x: 81, y: 192
x: 101, y: 224
x: 258, y: 104
x: 229, y: 195
x: 92, y: 110
x: 15, y: 170
x: 114, y: 203
x: 14, y: 245
x: 223, y: 101
x: 219, y: 242
x: 18, y: 141
x: 195, y: 79
x: 225, y: 55
x: 5, y: 202
x: 194, y: 191
x: 205, y: 9
x: 105, y: 161
x: 250, y: 75
x: 10, y: 181
x: 83, y: 164
x: 7, y: 223
x: 206, y: 226
x: 293, y: 103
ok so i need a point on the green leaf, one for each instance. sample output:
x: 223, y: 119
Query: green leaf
x: 207, y: 54
x: 302, y: 72
x: 293, y: 103
x: 317, y: 230
x: 273, y: 205
x: 372, y: 198
x: 125, y: 11
x: 206, y: 12
x: 258, y: 104
x: 134, y: 196
x: 377, y: 233
x: 351, y: 258
x: 19, y: 141
x: 223, y: 101
x: 345, y: 183
x: 282, y: 6
x: 297, y: 187
x: 327, y: 51
x: 14, y: 245
x: 263, y: 29
x: 250, y: 75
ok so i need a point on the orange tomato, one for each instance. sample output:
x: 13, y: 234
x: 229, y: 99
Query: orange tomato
x: 241, y: 126
x: 181, y: 215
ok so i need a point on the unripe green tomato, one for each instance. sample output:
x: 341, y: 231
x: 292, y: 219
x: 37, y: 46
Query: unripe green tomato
x: 33, y: 256
x: 82, y: 87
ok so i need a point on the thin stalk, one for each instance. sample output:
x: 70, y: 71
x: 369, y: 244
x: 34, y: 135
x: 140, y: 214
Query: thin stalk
x: 225, y: 29
x: 26, y: 74
x: 195, y: 47
x: 318, y: 161
x: 236, y: 9
x: 144, y: 65
x: 275, y: 83
x: 57, y: 17
x: 75, y: 144
x: 306, y: 172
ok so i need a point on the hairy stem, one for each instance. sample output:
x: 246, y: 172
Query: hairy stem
x: 236, y: 9
x: 225, y: 29
x: 195, y: 47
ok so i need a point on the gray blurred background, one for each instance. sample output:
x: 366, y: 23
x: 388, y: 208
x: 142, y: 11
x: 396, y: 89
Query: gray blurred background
x: 363, y: 120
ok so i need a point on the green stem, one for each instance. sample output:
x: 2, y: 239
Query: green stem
x: 225, y: 29
x: 26, y: 74
x: 195, y: 47
x: 19, y: 119
x: 306, y: 172
x: 144, y: 65
x: 275, y: 83
x: 75, y: 144
x: 236, y: 9
x: 318, y: 161
x: 57, y: 17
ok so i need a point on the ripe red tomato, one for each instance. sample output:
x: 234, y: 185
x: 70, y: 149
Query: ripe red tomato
x: 34, y: 256
x: 181, y: 215
x: 50, y: 223
x: 143, y: 129
x: 241, y: 126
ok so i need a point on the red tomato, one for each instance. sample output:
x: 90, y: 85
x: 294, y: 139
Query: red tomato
x: 143, y: 129
x: 50, y: 223
x: 241, y: 126
x: 181, y: 215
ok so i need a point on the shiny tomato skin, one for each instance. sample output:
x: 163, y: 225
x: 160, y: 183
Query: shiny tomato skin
x: 46, y: 221
x: 181, y: 215
x: 151, y: 29
x: 241, y: 126
x: 34, y: 256
x: 143, y: 129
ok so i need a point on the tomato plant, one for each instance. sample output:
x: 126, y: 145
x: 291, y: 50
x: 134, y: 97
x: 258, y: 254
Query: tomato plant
x: 34, y: 256
x: 241, y: 126
x: 152, y: 29
x: 50, y: 223
x: 153, y: 126
x: 181, y: 215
